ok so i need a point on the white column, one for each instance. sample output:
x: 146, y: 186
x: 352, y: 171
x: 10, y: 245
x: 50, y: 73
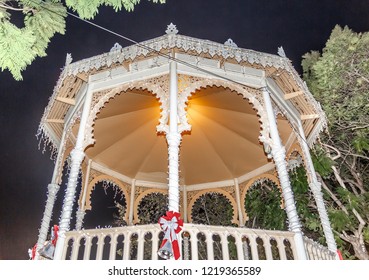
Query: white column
x: 315, y: 187
x: 81, y: 209
x: 279, y: 156
x: 174, y: 140
x: 238, y: 200
x: 77, y: 156
x: 52, y: 191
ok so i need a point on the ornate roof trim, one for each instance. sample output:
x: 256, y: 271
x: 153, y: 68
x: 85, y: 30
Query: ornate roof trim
x: 185, y: 43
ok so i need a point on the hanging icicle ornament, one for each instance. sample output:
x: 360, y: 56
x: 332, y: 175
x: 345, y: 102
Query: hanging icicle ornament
x: 171, y: 224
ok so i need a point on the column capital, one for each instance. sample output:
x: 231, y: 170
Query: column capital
x: 174, y: 138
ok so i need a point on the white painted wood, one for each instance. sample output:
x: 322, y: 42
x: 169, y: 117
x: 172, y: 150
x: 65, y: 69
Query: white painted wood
x: 174, y: 140
x: 279, y: 156
x: 315, y: 187
x: 315, y: 250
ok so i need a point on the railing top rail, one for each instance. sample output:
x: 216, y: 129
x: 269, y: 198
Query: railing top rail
x: 186, y: 227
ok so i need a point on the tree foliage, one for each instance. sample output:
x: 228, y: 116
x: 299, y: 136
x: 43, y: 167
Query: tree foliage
x: 338, y: 77
x: 212, y: 209
x: 152, y: 207
x: 263, y: 206
x: 20, y: 44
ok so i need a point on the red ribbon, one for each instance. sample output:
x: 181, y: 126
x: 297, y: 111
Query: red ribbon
x: 33, y: 254
x: 339, y: 255
x: 171, y: 224
x: 55, y: 235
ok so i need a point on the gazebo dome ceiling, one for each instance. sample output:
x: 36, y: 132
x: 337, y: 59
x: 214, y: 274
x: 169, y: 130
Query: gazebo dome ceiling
x: 223, y: 143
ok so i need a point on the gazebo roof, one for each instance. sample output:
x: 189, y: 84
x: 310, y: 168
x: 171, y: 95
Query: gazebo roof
x: 225, y: 127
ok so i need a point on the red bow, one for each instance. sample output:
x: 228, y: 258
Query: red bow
x: 54, y: 234
x: 171, y: 224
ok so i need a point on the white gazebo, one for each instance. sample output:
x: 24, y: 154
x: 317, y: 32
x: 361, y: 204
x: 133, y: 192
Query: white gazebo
x: 182, y: 117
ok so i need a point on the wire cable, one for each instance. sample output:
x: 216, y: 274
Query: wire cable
x: 167, y: 56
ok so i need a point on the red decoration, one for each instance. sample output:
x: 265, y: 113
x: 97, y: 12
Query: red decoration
x: 54, y: 237
x: 339, y: 255
x: 33, y: 253
x: 171, y: 224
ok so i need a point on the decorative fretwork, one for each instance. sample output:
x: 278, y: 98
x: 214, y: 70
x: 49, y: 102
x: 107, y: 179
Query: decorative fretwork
x: 171, y: 29
x: 230, y: 43
x: 197, y: 47
x: 231, y: 190
x: 105, y: 181
x: 94, y: 174
x: 159, y: 86
x: 139, y: 191
x: 195, y: 83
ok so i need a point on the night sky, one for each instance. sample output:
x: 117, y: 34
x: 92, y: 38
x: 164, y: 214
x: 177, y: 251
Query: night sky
x: 299, y: 26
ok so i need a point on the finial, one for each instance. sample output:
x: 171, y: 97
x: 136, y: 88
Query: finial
x: 116, y: 47
x: 171, y: 29
x: 230, y: 43
x: 68, y: 59
x: 281, y: 52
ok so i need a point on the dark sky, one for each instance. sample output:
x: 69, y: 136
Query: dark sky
x: 299, y: 26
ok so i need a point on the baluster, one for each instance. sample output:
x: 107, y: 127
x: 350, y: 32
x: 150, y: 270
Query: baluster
x: 65, y: 248
x: 267, y: 247
x: 194, y: 245
x: 86, y: 254
x: 113, y: 246
x: 308, y: 249
x: 140, y: 244
x: 239, y: 246
x: 281, y: 249
x: 155, y: 244
x: 209, y: 245
x: 225, y: 245
x: 317, y: 252
x: 100, y: 246
x: 75, y: 248
x: 127, y: 244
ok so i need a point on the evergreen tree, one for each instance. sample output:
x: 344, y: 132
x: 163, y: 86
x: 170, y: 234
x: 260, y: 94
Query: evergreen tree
x: 42, y: 19
x: 339, y: 79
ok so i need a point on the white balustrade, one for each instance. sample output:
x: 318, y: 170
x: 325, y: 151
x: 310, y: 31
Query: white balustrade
x: 316, y: 251
x: 142, y: 242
